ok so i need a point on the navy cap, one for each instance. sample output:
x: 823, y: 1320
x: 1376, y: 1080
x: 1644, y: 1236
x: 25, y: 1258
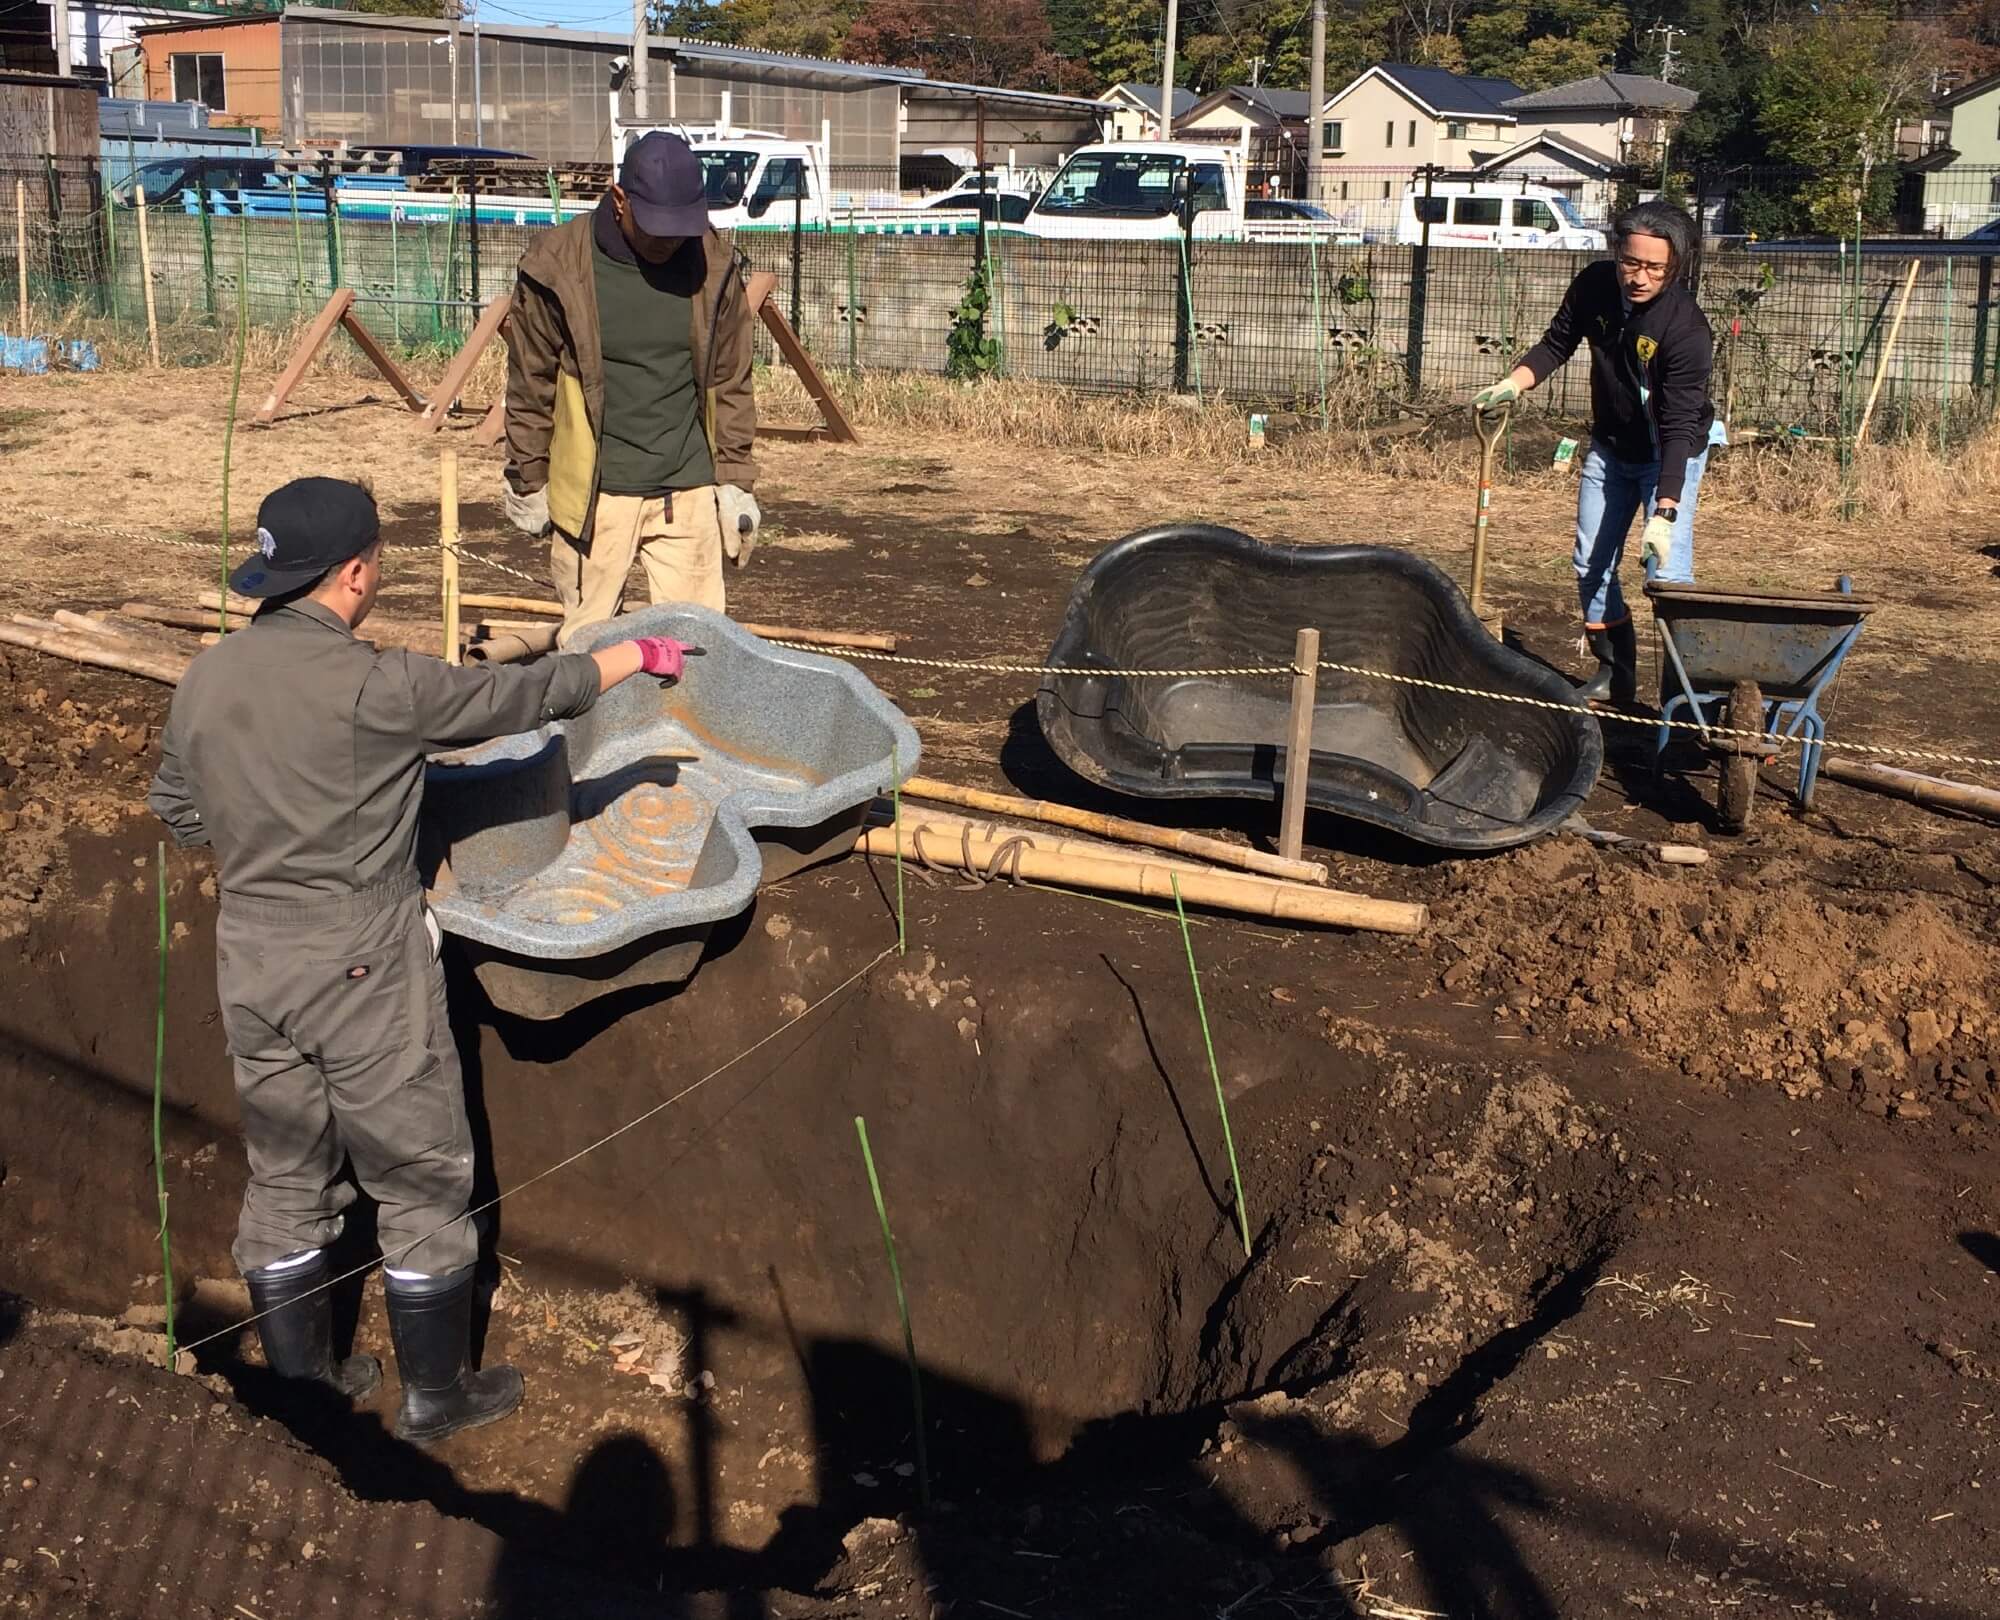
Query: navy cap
x: 303, y: 529
x: 662, y: 182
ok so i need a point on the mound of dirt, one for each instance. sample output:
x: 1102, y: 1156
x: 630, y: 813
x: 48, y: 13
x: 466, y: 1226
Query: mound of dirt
x: 1882, y: 988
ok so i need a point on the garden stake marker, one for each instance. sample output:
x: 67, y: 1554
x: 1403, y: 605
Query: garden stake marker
x: 896, y: 795
x: 903, y: 1310
x: 159, y: 1077
x: 235, y: 393
x: 1221, y: 1102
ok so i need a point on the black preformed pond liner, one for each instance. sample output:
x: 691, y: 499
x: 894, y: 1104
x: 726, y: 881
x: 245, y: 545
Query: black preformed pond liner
x: 1457, y: 772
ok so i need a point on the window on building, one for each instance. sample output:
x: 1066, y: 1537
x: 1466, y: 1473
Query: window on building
x: 1454, y: 130
x: 1385, y: 190
x: 1476, y: 211
x: 198, y: 77
x: 1329, y: 136
x: 1413, y: 132
x: 1389, y: 133
x: 1343, y: 191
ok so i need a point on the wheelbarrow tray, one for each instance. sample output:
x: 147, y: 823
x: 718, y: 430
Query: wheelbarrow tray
x: 1785, y: 641
x: 597, y: 853
x: 1454, y: 771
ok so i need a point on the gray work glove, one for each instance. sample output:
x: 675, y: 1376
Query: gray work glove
x: 1497, y: 398
x: 737, y: 511
x: 528, y: 513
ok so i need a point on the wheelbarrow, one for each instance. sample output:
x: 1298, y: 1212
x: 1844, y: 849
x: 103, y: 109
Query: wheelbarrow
x: 1748, y: 668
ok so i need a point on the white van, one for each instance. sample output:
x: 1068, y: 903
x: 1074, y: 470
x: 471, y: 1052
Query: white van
x: 1465, y: 213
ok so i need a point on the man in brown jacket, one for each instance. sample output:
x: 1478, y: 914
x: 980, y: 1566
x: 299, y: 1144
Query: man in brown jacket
x: 630, y: 417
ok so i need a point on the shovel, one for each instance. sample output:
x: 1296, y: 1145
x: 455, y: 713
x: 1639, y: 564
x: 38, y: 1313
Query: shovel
x: 1489, y: 425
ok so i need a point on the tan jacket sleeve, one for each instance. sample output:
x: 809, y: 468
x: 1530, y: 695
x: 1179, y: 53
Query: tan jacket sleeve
x: 732, y: 345
x: 534, y: 351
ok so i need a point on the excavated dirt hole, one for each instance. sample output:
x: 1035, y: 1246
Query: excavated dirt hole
x: 1046, y: 1131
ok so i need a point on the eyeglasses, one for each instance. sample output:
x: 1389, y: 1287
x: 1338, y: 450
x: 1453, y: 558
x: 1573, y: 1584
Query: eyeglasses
x: 1643, y: 267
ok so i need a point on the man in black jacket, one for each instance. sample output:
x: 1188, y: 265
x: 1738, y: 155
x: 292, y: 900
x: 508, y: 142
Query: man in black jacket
x: 1651, y: 353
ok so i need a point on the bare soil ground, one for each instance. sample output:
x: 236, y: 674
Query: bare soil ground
x: 1628, y: 1242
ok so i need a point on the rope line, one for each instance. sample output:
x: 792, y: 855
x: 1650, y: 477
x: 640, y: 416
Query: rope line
x: 563, y: 1164
x: 1227, y: 672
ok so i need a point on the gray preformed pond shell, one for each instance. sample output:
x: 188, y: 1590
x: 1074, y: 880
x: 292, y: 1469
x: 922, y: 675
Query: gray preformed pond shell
x: 596, y: 854
x: 1454, y: 771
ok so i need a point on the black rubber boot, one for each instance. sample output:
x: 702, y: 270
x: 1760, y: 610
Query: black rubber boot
x: 1624, y: 639
x: 295, y: 1320
x: 431, y: 1321
x: 1599, y: 686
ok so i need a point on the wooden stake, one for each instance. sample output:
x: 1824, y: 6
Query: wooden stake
x: 1887, y: 354
x: 146, y: 275
x: 1116, y: 828
x: 1932, y: 792
x: 1220, y: 891
x: 90, y: 627
x: 102, y: 654
x: 21, y: 246
x: 1298, y: 744
x: 838, y: 428
x: 452, y: 383
x: 448, y: 544
x: 942, y: 829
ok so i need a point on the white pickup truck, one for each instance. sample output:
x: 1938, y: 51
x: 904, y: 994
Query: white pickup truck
x: 1136, y: 191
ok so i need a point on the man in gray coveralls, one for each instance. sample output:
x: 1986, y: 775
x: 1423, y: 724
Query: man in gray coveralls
x: 297, y: 752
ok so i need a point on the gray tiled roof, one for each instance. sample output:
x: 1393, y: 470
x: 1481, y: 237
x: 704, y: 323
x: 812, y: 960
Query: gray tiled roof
x: 1621, y: 92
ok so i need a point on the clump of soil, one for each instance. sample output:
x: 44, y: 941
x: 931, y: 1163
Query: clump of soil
x: 1881, y: 989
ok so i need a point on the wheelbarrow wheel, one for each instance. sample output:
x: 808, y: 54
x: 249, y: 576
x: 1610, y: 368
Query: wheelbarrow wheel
x: 1737, y: 790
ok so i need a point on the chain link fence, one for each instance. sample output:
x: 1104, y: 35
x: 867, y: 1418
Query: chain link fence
x: 1336, y: 322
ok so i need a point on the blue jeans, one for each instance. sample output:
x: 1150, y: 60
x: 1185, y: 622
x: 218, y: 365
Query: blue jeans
x: 1612, y: 493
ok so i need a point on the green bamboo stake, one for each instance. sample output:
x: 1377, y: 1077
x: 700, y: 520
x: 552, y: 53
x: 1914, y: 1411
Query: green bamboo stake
x: 235, y: 393
x: 1221, y: 1102
x: 896, y: 798
x: 298, y: 250
x: 1319, y: 331
x: 159, y: 1080
x: 903, y: 1310
x: 853, y: 321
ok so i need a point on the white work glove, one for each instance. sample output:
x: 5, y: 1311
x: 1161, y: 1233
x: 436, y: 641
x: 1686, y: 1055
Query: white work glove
x: 1498, y: 397
x: 528, y: 513
x: 737, y: 510
x: 1657, y: 538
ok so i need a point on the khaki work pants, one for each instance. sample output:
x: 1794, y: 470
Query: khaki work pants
x: 335, y: 1016
x: 678, y: 537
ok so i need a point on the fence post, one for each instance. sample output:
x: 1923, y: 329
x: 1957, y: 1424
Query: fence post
x: 298, y: 246
x: 207, y: 234
x: 853, y: 316
x: 332, y: 217
x: 1982, y: 322
x: 110, y: 246
x: 798, y: 229
x: 1183, y: 288
x: 21, y: 247
x: 101, y: 261
x: 1420, y: 275
x: 472, y: 243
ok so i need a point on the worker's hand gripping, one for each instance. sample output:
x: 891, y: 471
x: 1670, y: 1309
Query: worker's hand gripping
x: 528, y: 513
x: 739, y: 515
x: 1489, y: 401
x: 663, y: 656
x: 1656, y: 539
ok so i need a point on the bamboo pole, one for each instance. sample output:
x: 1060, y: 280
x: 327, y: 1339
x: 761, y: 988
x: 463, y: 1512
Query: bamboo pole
x: 1299, y: 744
x: 511, y: 646
x: 146, y: 275
x: 1932, y: 792
x: 1221, y: 891
x: 448, y: 545
x: 1888, y: 353
x: 21, y: 247
x: 67, y: 620
x: 382, y: 632
x: 1116, y: 828
x: 867, y: 640
x: 81, y: 650
x: 944, y: 829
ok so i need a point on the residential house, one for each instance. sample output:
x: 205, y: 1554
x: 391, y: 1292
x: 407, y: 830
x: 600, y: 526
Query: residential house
x: 228, y: 65
x: 1397, y: 118
x: 1276, y: 121
x: 1961, y: 180
x: 1135, y: 110
x: 1543, y: 158
x: 1626, y: 116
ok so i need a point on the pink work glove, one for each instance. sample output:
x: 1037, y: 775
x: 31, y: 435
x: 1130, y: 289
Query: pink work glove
x: 662, y: 655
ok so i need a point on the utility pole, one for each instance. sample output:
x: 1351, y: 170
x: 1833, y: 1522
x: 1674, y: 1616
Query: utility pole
x: 641, y: 54
x: 454, y: 9
x: 478, y: 104
x: 1256, y: 72
x: 1667, y: 50
x: 61, y: 10
x: 1167, y: 72
x: 1316, y: 103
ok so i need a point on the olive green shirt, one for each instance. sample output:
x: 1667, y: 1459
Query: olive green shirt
x: 298, y: 751
x: 654, y: 439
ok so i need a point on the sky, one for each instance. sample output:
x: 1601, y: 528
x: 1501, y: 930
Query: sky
x: 594, y: 16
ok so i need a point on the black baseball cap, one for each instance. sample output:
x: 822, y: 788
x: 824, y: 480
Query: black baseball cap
x: 661, y: 179
x: 303, y: 529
